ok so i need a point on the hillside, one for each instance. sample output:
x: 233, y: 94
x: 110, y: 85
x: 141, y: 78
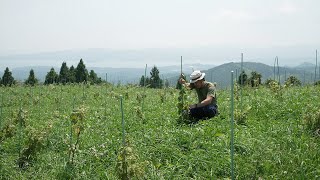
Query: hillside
x: 78, y: 132
x: 221, y: 74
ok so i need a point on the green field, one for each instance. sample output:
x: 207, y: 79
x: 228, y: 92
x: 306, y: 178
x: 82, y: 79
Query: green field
x: 277, y: 136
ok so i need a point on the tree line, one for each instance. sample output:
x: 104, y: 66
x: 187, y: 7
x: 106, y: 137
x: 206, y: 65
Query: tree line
x: 154, y: 81
x: 254, y: 80
x: 79, y: 74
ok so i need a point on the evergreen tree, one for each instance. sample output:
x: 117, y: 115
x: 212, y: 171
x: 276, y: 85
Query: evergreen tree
x: 141, y: 81
x: 72, y: 74
x: 93, y: 78
x: 155, y: 81
x: 81, y: 72
x: 242, y: 80
x: 7, y: 79
x: 255, y: 79
x: 144, y: 81
x: 64, y: 73
x: 32, y: 80
x: 51, y: 77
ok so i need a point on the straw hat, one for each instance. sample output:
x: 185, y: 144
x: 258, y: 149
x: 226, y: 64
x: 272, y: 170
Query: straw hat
x: 195, y: 76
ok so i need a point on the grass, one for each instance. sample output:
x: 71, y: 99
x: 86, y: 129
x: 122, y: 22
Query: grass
x: 273, y: 142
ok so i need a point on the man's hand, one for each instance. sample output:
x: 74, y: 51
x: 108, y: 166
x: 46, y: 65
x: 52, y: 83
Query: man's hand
x: 182, y: 81
x: 192, y: 106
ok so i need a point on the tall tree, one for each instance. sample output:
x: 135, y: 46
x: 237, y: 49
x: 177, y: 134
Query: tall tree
x: 141, y: 83
x: 81, y: 72
x: 93, y: 78
x: 72, y: 74
x: 51, y: 77
x: 32, y: 80
x: 144, y: 81
x: 7, y: 78
x: 64, y: 73
x: 255, y: 79
x: 242, y: 80
x: 155, y: 81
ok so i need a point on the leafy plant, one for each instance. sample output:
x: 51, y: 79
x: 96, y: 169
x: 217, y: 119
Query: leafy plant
x: 241, y: 116
x: 312, y: 122
x: 35, y: 142
x: 183, y: 107
x: 77, y: 118
x: 140, y: 114
x: 10, y: 128
x: 292, y: 81
x: 7, y: 132
x: 162, y: 97
x: 140, y: 97
x: 128, y: 164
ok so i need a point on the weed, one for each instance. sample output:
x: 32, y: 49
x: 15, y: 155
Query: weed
x: 77, y: 118
x: 312, y: 122
x: 128, y: 164
x: 35, y: 142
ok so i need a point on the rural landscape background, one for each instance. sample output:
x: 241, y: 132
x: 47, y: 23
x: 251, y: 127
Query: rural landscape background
x: 305, y: 72
x: 88, y: 89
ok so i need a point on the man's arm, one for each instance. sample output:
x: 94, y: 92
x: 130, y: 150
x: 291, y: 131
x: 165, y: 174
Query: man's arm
x: 184, y: 83
x: 205, y: 102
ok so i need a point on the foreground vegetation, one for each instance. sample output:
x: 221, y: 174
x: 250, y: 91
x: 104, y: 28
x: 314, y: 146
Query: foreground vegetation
x: 75, y: 131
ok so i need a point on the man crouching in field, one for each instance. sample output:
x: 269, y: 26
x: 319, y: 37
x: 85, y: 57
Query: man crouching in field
x: 207, y: 100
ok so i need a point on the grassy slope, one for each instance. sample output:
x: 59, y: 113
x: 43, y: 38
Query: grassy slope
x: 273, y: 143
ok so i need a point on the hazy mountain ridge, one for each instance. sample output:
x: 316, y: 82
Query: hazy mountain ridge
x: 137, y: 58
x: 109, y: 57
x: 222, y: 74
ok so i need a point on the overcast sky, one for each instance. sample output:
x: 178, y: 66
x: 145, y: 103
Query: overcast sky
x: 33, y: 26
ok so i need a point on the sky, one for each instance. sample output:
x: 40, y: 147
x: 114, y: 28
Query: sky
x: 252, y: 27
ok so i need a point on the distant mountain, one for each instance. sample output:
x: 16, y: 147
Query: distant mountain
x: 109, y: 58
x: 308, y: 67
x: 219, y: 73
x: 22, y: 73
x: 137, y: 58
x: 305, y: 65
x: 187, y: 68
x: 222, y: 74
